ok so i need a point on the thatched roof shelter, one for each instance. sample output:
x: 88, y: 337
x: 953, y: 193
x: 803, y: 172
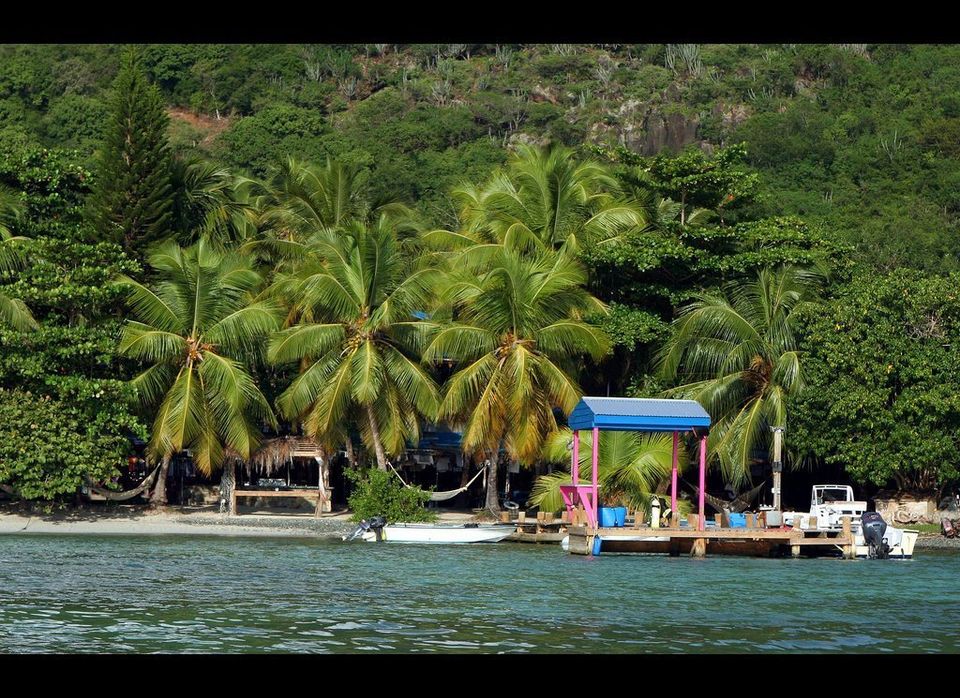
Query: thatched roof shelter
x: 275, y: 453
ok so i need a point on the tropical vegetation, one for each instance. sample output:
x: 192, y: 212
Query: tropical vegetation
x: 199, y: 328
x: 380, y: 493
x: 203, y: 245
x: 735, y: 352
x: 354, y: 333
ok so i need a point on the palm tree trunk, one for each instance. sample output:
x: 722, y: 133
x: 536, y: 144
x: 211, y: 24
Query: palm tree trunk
x: 377, y: 445
x: 159, y: 496
x: 351, y: 458
x: 227, y: 483
x: 493, y: 500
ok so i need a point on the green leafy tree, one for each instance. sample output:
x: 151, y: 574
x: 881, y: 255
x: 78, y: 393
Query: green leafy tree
x: 379, y: 493
x: 883, y: 397
x: 68, y: 362
x: 519, y: 330
x: 707, y: 236
x: 352, y: 300
x: 49, y: 446
x: 695, y: 181
x: 199, y: 327
x: 736, y: 354
x: 132, y: 200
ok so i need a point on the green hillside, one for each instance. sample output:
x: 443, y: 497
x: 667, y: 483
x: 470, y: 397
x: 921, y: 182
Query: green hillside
x: 860, y: 138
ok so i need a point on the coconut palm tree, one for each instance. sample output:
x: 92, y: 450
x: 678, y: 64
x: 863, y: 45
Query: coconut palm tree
x: 199, y: 327
x: 737, y: 355
x: 519, y: 329
x: 211, y: 202
x: 307, y: 197
x: 544, y: 199
x: 630, y: 466
x: 352, y: 327
x: 13, y: 311
x: 301, y: 199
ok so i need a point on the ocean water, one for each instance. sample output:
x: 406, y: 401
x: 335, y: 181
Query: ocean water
x: 232, y: 595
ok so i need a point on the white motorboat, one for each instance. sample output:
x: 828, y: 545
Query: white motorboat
x: 377, y: 530
x: 830, y: 503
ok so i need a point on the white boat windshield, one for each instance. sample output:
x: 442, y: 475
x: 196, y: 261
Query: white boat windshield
x: 826, y: 495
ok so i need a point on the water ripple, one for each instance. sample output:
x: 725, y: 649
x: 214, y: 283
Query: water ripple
x: 197, y: 594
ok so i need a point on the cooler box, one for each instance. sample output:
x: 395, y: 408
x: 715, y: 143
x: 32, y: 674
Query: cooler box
x: 738, y: 520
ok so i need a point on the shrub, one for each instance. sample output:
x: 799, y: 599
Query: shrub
x: 379, y: 493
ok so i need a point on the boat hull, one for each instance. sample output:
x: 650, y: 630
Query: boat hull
x: 901, y: 541
x: 445, y: 535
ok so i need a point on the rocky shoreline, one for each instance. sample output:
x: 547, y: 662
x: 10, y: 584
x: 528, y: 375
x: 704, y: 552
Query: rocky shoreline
x: 938, y: 543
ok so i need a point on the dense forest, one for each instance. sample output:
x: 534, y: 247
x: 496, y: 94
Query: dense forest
x: 203, y: 242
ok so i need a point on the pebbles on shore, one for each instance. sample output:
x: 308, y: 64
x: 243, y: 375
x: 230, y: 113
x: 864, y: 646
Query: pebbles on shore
x: 940, y: 542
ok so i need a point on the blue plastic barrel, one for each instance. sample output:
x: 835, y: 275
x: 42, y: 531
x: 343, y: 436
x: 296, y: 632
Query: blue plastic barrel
x: 608, y: 517
x: 621, y: 514
x: 738, y: 520
x: 596, y: 545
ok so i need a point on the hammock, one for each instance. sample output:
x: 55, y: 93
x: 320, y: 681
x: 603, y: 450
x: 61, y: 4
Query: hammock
x: 122, y: 496
x: 739, y: 504
x: 445, y: 495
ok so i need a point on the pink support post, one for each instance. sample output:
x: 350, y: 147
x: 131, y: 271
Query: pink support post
x: 596, y: 452
x: 575, y: 465
x: 574, y: 474
x: 673, y: 480
x: 703, y: 478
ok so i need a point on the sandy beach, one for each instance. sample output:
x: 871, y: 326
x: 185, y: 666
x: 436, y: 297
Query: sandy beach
x: 206, y: 521
x: 202, y: 521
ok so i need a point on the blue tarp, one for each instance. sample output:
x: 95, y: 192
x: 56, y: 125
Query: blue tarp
x: 638, y: 414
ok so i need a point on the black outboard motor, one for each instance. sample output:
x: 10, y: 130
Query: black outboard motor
x: 361, y: 528
x: 874, y: 527
x: 376, y: 525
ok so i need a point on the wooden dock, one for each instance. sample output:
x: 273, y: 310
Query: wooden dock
x: 761, y: 542
x: 539, y: 532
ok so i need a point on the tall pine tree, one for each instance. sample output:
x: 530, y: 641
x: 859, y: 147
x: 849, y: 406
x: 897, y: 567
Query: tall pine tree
x: 133, y: 201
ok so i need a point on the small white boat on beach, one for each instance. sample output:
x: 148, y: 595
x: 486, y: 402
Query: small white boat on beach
x: 378, y: 531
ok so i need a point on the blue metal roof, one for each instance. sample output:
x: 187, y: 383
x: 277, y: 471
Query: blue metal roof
x: 439, y: 436
x: 638, y: 414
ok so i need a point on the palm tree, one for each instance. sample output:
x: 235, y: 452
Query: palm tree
x: 630, y: 466
x: 301, y: 199
x: 544, y: 199
x: 199, y: 327
x: 519, y: 329
x: 13, y: 311
x: 737, y: 352
x: 211, y: 202
x: 353, y: 298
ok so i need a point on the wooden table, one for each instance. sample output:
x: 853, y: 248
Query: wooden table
x: 306, y: 494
